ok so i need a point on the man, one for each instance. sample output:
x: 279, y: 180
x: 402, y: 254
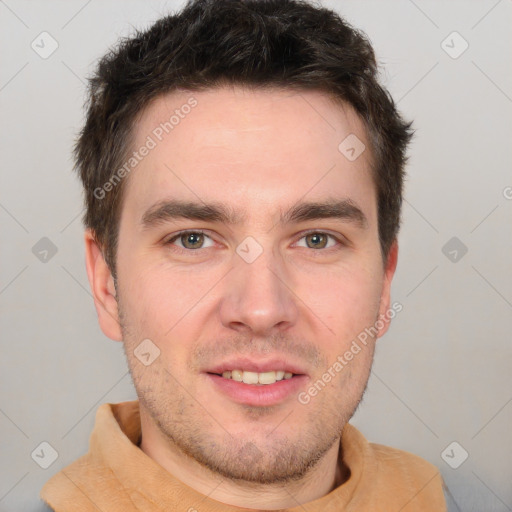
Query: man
x: 243, y: 175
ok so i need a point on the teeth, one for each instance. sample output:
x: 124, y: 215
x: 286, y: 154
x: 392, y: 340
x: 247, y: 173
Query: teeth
x: 257, y: 378
x: 237, y: 375
x: 250, y: 377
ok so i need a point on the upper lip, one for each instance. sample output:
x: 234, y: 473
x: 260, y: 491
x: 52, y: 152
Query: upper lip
x: 253, y: 365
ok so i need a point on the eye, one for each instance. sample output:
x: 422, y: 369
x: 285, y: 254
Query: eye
x: 191, y: 240
x: 194, y: 240
x: 319, y: 240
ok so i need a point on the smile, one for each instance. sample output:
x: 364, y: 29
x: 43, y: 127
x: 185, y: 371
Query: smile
x: 263, y: 378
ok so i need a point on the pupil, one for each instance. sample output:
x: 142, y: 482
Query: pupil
x: 316, y: 238
x: 193, y: 238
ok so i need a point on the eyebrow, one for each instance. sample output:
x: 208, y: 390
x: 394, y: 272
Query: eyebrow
x: 173, y: 209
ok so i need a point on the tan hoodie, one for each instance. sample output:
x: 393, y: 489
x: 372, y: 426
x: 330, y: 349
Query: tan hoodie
x: 117, y: 476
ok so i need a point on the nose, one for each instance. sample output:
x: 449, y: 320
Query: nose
x: 258, y: 297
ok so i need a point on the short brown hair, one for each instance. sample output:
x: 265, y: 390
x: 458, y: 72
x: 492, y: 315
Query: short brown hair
x: 257, y: 43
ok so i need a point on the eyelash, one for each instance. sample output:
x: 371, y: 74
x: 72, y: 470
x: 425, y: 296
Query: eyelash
x: 176, y: 236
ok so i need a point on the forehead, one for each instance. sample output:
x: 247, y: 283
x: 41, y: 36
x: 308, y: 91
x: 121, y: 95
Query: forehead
x: 251, y: 147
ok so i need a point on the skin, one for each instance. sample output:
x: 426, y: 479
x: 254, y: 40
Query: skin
x: 259, y: 152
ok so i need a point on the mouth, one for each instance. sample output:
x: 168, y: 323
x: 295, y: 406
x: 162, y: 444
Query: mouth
x: 256, y: 378
x: 257, y: 384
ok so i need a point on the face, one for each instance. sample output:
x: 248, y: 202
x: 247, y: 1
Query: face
x: 248, y: 244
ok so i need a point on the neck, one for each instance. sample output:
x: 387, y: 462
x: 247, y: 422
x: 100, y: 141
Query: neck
x: 323, y: 478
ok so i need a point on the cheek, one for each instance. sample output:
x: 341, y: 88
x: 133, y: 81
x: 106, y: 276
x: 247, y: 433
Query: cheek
x: 148, y: 303
x: 346, y: 300
x: 166, y: 306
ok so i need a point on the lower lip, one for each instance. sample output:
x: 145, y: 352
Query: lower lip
x: 259, y: 395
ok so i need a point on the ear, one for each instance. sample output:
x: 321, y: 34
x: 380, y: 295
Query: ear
x: 102, y: 287
x: 385, y: 298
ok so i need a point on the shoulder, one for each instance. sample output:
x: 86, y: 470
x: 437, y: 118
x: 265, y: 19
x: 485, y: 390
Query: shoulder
x: 79, y: 486
x: 400, y: 460
x: 397, y: 477
x: 408, y: 473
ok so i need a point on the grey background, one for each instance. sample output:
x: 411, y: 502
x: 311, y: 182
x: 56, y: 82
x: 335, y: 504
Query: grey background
x: 442, y: 373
